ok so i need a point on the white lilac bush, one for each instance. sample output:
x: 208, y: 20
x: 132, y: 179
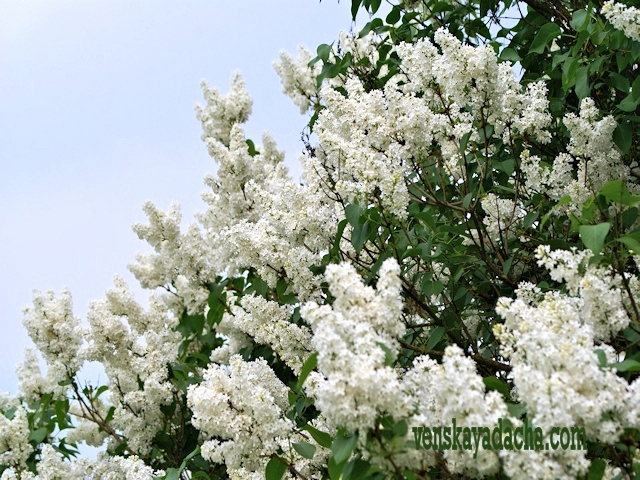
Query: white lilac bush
x: 464, y: 247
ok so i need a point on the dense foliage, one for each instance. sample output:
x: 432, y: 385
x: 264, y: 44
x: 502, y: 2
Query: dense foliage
x: 465, y: 245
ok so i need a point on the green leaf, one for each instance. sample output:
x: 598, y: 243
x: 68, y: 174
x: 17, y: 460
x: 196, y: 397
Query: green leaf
x: 442, y: 7
x: 618, y: 82
x: 38, y: 435
x: 628, y: 104
x: 275, y: 469
x: 582, y: 83
x: 401, y: 428
x: 335, y: 469
x: 360, y: 235
x: 598, y: 37
x: 629, y: 217
x: 627, y: 366
x: 331, y: 70
x: 579, y: 20
x: 10, y: 413
x: 252, y: 148
x: 432, y: 287
x: 635, y: 50
x: 323, y: 439
x: 101, y: 390
x: 517, y: 409
x: 595, y: 67
x: 596, y: 470
x: 569, y: 73
x: 195, y: 452
x: 64, y: 383
x: 622, y: 135
x: 631, y: 243
x: 508, y: 166
x: 172, y: 474
x: 216, y: 310
x: 352, y: 212
x: 545, y: 35
x: 486, y: 6
x: 121, y: 448
x: 356, y: 469
x: 324, y: 51
x: 342, y: 447
x: 617, y: 191
x: 602, y: 357
x: 434, y: 337
x: 463, y: 142
x: 305, y: 449
x: 372, y: 25
x: 558, y: 59
x: 394, y: 15
x: 507, y: 265
x: 355, y: 6
x: 593, y: 236
x: 529, y: 219
x: 635, y: 89
x: 309, y: 364
x: 293, y: 397
x: 389, y: 358
x: 257, y: 284
x: 335, y: 249
x: 61, y: 407
x: 200, y: 474
x: 589, y: 209
x: 631, y: 335
x: 493, y: 383
x: 110, y: 414
x: 204, y: 359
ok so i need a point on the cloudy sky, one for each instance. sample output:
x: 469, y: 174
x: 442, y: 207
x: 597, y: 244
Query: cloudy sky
x: 97, y: 115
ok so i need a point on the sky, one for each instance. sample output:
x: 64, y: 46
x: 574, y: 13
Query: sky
x: 97, y: 116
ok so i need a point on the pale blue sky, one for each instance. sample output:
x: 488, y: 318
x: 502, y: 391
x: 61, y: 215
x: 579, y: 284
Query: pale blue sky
x: 97, y: 115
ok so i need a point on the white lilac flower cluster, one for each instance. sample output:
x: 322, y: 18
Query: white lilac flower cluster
x: 221, y: 113
x: 502, y: 218
x: 180, y: 261
x: 453, y: 389
x: 268, y: 323
x: 551, y: 341
x: 353, y: 338
x: 298, y: 78
x: 623, y: 18
x: 14, y: 439
x: 591, y: 147
x: 249, y: 425
x: 134, y: 346
x: 86, y: 431
x: 257, y: 217
x: 360, y: 48
x: 289, y: 237
x: 60, y: 339
x: 58, y: 336
x: 32, y: 384
x: 371, y: 138
x: 599, y: 289
x: 52, y: 467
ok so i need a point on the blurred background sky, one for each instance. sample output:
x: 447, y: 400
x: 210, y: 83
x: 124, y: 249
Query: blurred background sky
x: 97, y: 115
